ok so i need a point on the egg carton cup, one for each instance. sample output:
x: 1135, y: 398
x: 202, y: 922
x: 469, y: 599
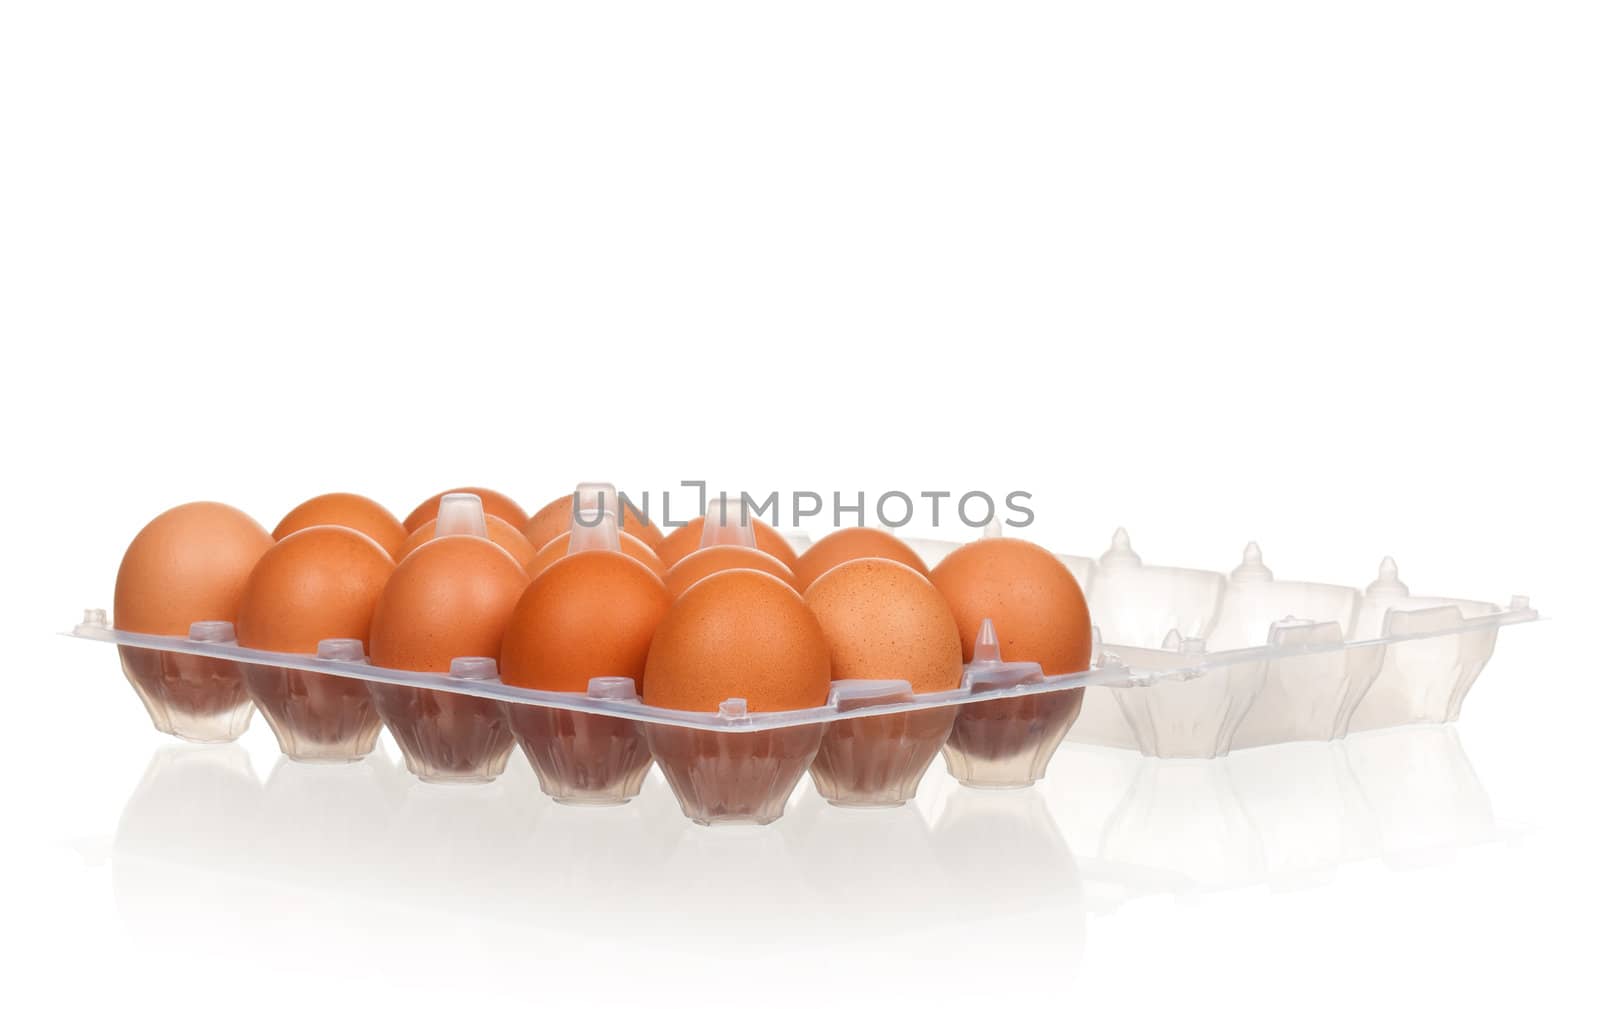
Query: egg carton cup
x: 448, y: 736
x: 878, y: 760
x: 200, y: 698
x: 584, y: 759
x: 317, y: 718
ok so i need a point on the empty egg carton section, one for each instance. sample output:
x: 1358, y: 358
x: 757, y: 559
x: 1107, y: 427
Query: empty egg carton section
x: 1246, y: 659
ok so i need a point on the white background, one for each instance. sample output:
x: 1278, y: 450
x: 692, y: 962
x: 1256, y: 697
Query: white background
x: 1318, y: 275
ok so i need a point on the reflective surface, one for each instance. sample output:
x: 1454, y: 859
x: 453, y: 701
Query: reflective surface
x: 1135, y: 827
x: 197, y: 866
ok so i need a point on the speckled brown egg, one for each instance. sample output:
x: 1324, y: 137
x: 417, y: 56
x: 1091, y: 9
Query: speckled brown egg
x: 631, y: 545
x: 352, y: 511
x: 738, y: 634
x: 189, y: 564
x: 450, y: 598
x: 849, y: 544
x: 885, y: 621
x: 494, y: 503
x: 686, y: 540
x: 590, y: 614
x: 322, y: 582
x: 1036, y: 605
x: 710, y: 560
x: 555, y: 518
x: 501, y: 533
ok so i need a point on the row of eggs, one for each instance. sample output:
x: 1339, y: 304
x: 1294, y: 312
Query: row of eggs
x: 691, y: 621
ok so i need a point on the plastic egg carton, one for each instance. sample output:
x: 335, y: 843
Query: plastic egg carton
x: 1193, y: 664
x: 870, y: 745
x: 1244, y: 659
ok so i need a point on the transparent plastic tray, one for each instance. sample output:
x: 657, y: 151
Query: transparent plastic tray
x: 1244, y: 659
x: 1195, y: 663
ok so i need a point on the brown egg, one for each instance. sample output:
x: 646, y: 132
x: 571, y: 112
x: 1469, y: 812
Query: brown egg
x: 631, y: 545
x: 738, y: 634
x: 685, y: 540
x: 590, y: 614
x: 321, y: 582
x: 1035, y: 603
x: 189, y: 564
x: 352, y: 511
x: 450, y: 598
x: 555, y: 518
x: 501, y: 533
x: 884, y: 621
x: 494, y: 503
x: 710, y: 560
x: 847, y: 545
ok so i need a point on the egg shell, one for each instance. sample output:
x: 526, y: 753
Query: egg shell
x: 738, y: 634
x: 555, y: 518
x: 189, y: 564
x: 590, y: 614
x: 847, y: 545
x: 632, y: 545
x: 885, y: 621
x: 450, y: 598
x: 1037, y: 606
x: 685, y: 540
x: 321, y: 582
x: 501, y: 533
x: 352, y: 511
x: 724, y: 557
x: 494, y: 503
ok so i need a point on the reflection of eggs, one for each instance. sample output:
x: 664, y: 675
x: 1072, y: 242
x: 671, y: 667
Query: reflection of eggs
x: 501, y: 533
x: 590, y: 614
x: 450, y: 598
x: 1035, y: 603
x: 849, y: 544
x: 189, y: 564
x: 555, y: 518
x: 710, y: 560
x: 494, y: 503
x: 318, y: 583
x: 884, y: 621
x: 738, y: 634
x: 686, y: 539
x: 352, y: 511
